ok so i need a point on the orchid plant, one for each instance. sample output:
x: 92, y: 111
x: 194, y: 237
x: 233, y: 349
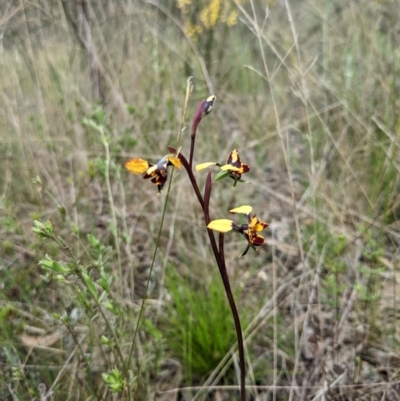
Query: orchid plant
x: 233, y: 168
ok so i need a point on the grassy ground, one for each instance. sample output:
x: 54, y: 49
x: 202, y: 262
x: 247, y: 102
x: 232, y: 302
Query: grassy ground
x: 308, y: 92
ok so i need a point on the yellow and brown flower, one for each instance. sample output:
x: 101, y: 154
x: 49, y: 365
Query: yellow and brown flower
x: 233, y: 168
x: 249, y: 230
x: 157, y: 172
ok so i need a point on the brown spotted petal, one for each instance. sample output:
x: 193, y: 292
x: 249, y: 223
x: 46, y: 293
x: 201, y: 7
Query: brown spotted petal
x: 256, y: 224
x: 234, y: 165
x: 249, y: 230
x: 156, y: 172
x: 253, y: 238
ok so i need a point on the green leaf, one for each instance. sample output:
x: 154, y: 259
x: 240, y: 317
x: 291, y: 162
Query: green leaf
x: 114, y: 380
x: 57, y: 267
x: 90, y: 123
x: 111, y: 307
x: 105, y: 341
x: 221, y: 175
x: 104, y: 281
x: 90, y: 285
x: 99, y: 115
x: 62, y: 211
x: 43, y: 230
x: 130, y: 109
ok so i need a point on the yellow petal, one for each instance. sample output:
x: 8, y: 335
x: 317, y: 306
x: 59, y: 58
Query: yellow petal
x: 256, y: 224
x: 222, y: 225
x: 175, y: 161
x: 242, y: 209
x: 233, y: 157
x: 229, y: 167
x: 202, y: 166
x: 137, y: 166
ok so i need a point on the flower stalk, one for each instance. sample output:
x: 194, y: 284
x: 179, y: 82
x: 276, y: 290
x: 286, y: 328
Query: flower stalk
x: 234, y: 168
x: 218, y: 250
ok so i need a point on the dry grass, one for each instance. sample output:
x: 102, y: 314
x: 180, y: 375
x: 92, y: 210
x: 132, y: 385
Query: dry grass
x: 307, y: 92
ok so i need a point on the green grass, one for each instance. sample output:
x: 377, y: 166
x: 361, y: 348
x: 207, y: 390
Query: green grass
x: 198, y: 325
x: 310, y: 100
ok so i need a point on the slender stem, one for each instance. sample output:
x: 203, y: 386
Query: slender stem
x: 221, y: 247
x: 148, y: 282
x: 189, y: 88
x: 91, y: 386
x: 192, y: 178
x: 192, y: 142
x: 218, y: 253
x: 225, y: 279
x: 220, y: 259
x: 114, y: 227
x: 196, y: 121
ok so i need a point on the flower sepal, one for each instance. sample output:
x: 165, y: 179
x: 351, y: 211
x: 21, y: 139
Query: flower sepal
x: 249, y: 230
x: 157, y: 172
x: 223, y: 174
x: 221, y: 225
x: 233, y: 168
x: 203, y: 166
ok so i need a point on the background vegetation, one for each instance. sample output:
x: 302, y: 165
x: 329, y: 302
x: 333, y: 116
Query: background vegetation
x: 307, y: 91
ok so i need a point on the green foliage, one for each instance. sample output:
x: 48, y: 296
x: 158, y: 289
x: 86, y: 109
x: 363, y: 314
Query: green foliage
x: 53, y: 266
x: 91, y: 287
x: 114, y: 380
x: 333, y: 289
x: 43, y: 230
x: 334, y: 281
x: 368, y: 288
x: 198, y: 324
x: 372, y: 249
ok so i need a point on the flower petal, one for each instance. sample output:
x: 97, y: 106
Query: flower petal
x: 202, y: 166
x: 229, y: 167
x: 152, y: 171
x: 222, y: 225
x: 233, y: 157
x: 256, y: 224
x: 163, y: 163
x: 244, y: 168
x: 159, y: 177
x: 242, y: 209
x: 257, y: 240
x: 175, y: 161
x: 137, y: 165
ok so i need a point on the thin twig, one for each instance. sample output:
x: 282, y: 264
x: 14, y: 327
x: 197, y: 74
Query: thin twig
x: 188, y: 93
x: 114, y: 228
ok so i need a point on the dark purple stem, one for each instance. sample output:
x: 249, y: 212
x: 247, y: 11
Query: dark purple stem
x: 221, y: 247
x: 196, y: 121
x: 220, y: 259
x: 192, y: 179
x: 207, y: 195
x: 218, y: 252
